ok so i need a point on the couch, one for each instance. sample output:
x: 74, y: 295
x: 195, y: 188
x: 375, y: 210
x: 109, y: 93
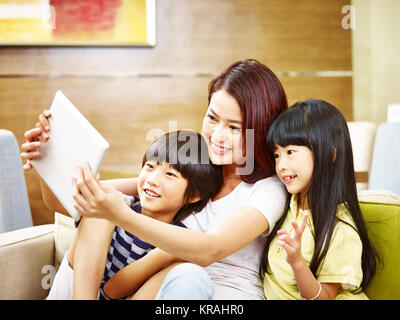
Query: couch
x: 29, y: 257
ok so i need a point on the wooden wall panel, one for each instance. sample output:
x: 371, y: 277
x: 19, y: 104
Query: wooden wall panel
x: 203, y: 36
x: 126, y: 92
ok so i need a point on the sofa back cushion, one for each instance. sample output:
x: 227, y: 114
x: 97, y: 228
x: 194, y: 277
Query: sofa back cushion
x: 383, y: 223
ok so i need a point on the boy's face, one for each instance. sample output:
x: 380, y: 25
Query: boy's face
x: 161, y: 190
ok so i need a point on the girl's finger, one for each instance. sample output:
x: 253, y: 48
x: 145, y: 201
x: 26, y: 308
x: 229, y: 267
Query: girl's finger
x: 284, y: 245
x: 287, y: 239
x: 281, y: 231
x: 304, y: 222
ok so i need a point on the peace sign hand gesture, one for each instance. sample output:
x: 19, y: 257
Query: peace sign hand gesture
x: 292, y: 243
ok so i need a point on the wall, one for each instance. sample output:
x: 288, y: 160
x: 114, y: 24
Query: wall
x: 376, y: 63
x: 125, y: 92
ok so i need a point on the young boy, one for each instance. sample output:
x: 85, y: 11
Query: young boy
x: 171, y: 185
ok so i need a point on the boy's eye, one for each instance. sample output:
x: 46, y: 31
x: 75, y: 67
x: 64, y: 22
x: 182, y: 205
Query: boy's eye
x: 149, y: 165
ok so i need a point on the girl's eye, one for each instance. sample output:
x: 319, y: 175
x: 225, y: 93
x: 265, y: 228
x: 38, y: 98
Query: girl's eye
x: 290, y: 152
x: 149, y: 165
x: 276, y: 156
x: 211, y: 117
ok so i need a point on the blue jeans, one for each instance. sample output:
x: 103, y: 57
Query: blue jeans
x: 186, y: 281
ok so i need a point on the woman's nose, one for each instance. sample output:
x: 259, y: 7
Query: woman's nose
x: 219, y: 134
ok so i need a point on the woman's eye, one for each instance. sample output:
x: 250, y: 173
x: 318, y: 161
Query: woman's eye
x: 276, y: 156
x: 235, y: 128
x: 171, y: 174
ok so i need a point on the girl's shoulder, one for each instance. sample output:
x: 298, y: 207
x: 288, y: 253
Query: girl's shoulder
x: 271, y: 183
x: 345, y: 224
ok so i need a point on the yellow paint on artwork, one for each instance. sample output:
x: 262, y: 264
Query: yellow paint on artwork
x: 131, y: 24
x: 25, y: 30
x: 24, y: 20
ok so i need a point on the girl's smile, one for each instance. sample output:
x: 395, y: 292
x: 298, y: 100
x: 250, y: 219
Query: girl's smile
x: 294, y: 165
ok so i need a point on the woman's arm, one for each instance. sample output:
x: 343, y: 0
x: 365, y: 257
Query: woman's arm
x: 239, y: 229
x: 129, y: 279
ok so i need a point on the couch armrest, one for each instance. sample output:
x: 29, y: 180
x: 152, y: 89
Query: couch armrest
x: 27, y: 262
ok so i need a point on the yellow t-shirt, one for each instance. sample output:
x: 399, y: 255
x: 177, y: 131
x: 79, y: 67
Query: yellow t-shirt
x: 342, y: 263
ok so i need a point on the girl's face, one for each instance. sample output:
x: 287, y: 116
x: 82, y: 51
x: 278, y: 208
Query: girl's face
x: 161, y: 190
x: 294, y: 166
x: 222, y: 129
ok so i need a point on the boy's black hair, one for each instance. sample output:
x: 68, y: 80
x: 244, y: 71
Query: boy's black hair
x: 187, y: 152
x: 322, y: 128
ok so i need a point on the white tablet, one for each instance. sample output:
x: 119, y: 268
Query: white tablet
x: 73, y: 140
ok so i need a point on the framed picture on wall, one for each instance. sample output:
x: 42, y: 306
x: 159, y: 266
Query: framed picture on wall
x: 77, y: 22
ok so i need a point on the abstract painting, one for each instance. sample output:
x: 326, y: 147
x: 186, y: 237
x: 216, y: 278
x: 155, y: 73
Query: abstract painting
x: 77, y: 22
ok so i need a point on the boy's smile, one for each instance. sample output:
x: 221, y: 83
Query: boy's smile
x: 161, y: 190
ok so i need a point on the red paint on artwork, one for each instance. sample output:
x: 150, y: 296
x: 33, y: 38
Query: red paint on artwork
x: 85, y: 16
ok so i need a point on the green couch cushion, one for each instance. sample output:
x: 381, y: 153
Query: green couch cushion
x: 383, y: 223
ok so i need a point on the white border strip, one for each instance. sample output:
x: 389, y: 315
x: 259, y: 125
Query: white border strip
x: 151, y: 22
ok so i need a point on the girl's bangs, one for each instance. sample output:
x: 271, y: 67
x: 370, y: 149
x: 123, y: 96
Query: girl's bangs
x: 290, y: 128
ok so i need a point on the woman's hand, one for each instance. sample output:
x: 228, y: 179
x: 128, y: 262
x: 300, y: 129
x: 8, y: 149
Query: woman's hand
x: 34, y: 139
x: 292, y: 243
x: 94, y: 199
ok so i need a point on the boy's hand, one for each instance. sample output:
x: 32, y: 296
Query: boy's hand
x: 292, y: 243
x: 94, y: 199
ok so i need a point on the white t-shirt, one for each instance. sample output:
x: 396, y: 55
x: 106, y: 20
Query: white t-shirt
x: 236, y: 276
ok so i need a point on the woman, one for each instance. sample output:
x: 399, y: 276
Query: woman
x: 226, y: 237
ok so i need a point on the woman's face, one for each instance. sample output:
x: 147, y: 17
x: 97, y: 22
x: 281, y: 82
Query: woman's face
x: 222, y: 129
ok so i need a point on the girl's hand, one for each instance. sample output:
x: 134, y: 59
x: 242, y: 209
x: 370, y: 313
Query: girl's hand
x: 34, y: 138
x: 94, y: 199
x: 292, y: 243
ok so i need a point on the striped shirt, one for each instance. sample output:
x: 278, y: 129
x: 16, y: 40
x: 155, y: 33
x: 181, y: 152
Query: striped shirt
x: 126, y: 248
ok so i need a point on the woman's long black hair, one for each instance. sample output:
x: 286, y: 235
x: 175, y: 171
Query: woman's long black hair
x: 322, y: 128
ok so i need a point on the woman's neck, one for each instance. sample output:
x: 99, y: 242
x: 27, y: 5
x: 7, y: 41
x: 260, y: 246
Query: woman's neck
x: 230, y: 181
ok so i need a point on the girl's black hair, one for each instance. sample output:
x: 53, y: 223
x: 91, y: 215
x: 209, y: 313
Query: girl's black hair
x: 322, y: 128
x: 187, y: 152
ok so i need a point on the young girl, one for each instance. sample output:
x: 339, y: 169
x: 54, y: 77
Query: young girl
x: 169, y: 190
x: 320, y: 248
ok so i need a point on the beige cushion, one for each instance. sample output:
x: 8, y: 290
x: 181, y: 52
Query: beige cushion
x: 379, y: 196
x: 27, y: 257
x: 64, y: 233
